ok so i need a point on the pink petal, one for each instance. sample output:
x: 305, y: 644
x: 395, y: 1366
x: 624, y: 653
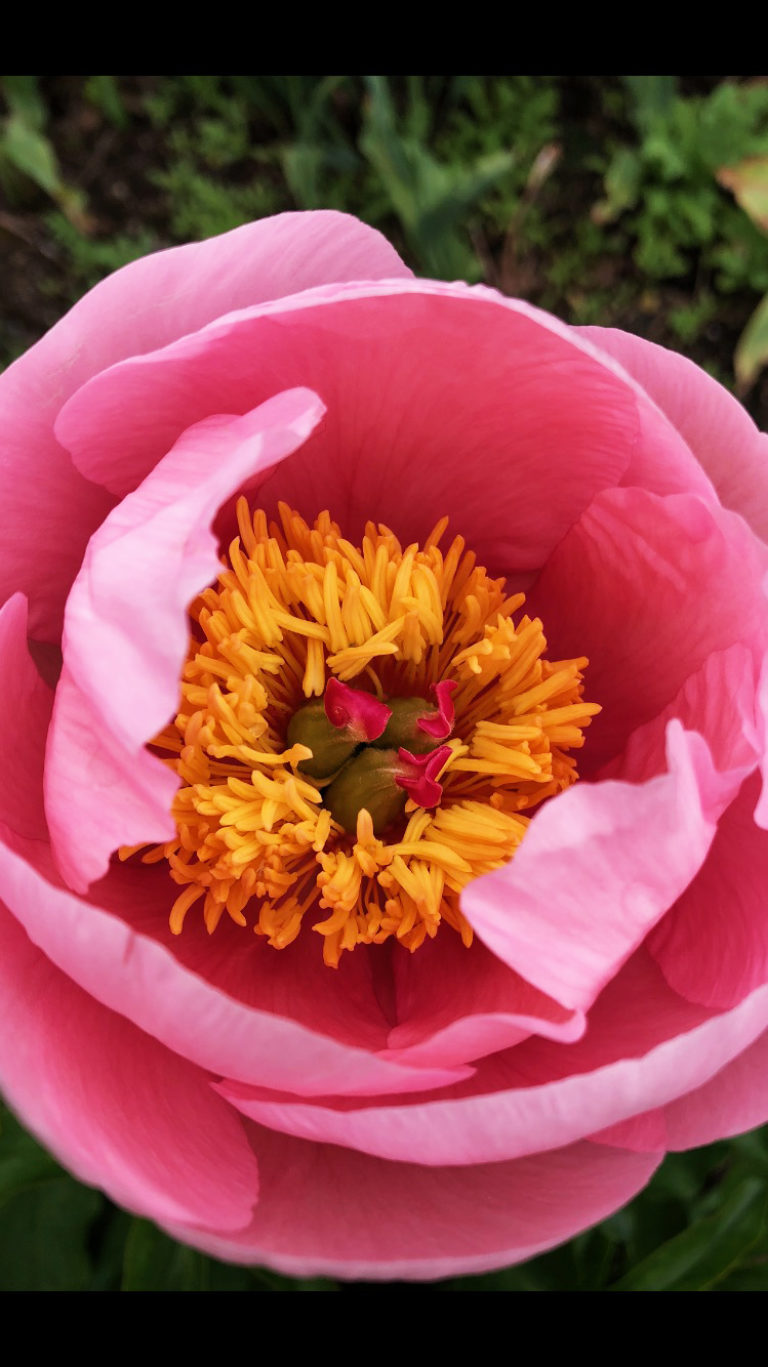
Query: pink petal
x: 112, y: 1104
x: 598, y: 867
x: 126, y: 634
x: 734, y: 1100
x: 761, y: 811
x: 645, y: 1047
x: 713, y: 945
x: 645, y: 1133
x: 25, y: 711
x: 49, y: 509
x: 718, y: 701
x: 403, y: 442
x: 647, y: 588
x: 331, y: 1212
x: 95, y: 945
x: 452, y: 1006
x: 718, y: 430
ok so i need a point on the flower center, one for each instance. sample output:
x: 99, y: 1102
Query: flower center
x: 361, y: 732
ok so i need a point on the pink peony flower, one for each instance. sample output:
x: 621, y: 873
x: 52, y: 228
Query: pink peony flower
x: 463, y: 1030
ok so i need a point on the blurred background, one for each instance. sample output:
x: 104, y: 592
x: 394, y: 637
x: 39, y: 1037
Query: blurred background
x: 638, y: 202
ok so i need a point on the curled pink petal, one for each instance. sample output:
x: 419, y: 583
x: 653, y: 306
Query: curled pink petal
x: 417, y: 774
x: 355, y: 711
x: 119, y: 685
x: 441, y: 725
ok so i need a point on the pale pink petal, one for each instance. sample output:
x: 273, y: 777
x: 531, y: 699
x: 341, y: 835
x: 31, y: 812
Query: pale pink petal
x: 49, y: 509
x: 647, y: 588
x: 600, y: 864
x: 143, y: 980
x: 713, y: 945
x: 25, y: 711
x: 645, y: 1046
x: 325, y: 1211
x: 733, y: 1101
x: 716, y: 427
x: 113, y: 1105
x: 403, y: 442
x: 126, y: 634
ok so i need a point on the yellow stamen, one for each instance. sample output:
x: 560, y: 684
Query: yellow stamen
x: 295, y: 604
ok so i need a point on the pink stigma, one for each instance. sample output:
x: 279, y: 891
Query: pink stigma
x: 440, y: 726
x: 358, y: 713
x: 417, y: 774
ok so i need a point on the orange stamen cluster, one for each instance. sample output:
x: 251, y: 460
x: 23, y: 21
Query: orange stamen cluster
x: 295, y: 605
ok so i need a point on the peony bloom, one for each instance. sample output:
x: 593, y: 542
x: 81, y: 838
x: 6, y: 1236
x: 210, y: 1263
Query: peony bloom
x: 382, y: 856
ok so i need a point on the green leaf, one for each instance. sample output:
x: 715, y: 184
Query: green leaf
x: 709, y: 1250
x: 652, y: 97
x: 32, y: 154
x: 154, y: 1262
x: 749, y: 183
x: 752, y: 350
x: 44, y: 1237
x: 23, y: 1164
x: 431, y: 199
x: 24, y: 100
x: 104, y: 92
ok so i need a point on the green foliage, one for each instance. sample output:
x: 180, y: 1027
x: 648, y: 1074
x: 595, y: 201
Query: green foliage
x: 431, y: 199
x: 91, y: 259
x: 475, y: 177
x: 27, y: 157
x: 663, y: 184
x: 104, y: 92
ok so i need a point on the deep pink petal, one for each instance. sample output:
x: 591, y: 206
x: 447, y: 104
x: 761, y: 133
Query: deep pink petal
x: 716, y: 427
x: 600, y: 864
x: 713, y: 945
x: 718, y: 701
x: 113, y: 1105
x: 126, y: 634
x: 734, y: 1100
x: 141, y: 978
x: 325, y: 1211
x: 645, y: 1047
x: 536, y: 410
x: 647, y: 588
x: 25, y: 712
x: 761, y: 811
x: 452, y: 1006
x: 646, y: 1133
x: 49, y: 509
